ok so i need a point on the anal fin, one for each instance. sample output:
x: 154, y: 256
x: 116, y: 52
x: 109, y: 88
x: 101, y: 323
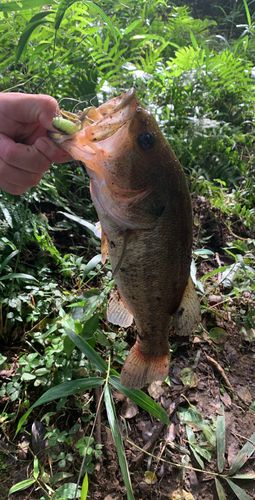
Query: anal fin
x: 117, y: 312
x: 188, y: 315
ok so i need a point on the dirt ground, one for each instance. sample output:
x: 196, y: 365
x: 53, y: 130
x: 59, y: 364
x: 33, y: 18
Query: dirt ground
x: 222, y: 373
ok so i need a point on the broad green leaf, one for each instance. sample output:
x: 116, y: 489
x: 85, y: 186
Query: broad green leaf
x: 59, y: 476
x: 91, y: 265
x: 133, y: 25
x: 28, y: 32
x: 23, y: 5
x: 193, y: 40
x: 249, y: 475
x: 220, y: 491
x: 221, y: 440
x: 90, y: 327
x: 141, y: 399
x: 66, y: 492
x: 23, y: 485
x: 192, y: 442
x: 63, y: 390
x: 203, y: 251
x: 87, y: 350
x: 84, y: 223
x: 217, y: 335
x: 192, y: 417
x: 215, y: 271
x: 112, y: 418
x: 85, y: 487
x: 28, y: 376
x: 243, y: 455
x: 18, y: 276
x: 88, y: 310
x: 9, y: 257
x: 240, y: 493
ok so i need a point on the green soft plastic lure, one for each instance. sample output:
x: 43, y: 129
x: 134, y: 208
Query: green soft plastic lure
x: 72, y: 123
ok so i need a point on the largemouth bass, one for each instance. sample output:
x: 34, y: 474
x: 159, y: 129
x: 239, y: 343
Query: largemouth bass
x: 141, y: 196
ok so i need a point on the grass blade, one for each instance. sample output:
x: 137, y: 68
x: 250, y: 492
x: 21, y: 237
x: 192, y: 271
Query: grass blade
x: 25, y: 4
x: 23, y: 276
x: 104, y: 17
x: 87, y: 350
x: 221, y: 440
x: 85, y: 487
x: 66, y: 389
x: 249, y: 475
x: 9, y: 257
x: 220, y: 491
x: 192, y: 443
x: 247, y: 13
x: 141, y: 399
x: 243, y: 455
x: 32, y: 25
x: 63, y: 6
x: 240, y: 493
x: 23, y: 485
x: 215, y: 271
x: 112, y: 418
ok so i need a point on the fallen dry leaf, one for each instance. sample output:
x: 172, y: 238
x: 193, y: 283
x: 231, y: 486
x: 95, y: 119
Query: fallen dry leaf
x: 156, y: 390
x: 244, y: 394
x: 150, y: 477
x: 129, y: 409
x: 181, y: 495
x: 226, y: 399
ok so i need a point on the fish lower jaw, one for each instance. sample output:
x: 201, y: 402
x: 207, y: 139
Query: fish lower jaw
x: 140, y: 369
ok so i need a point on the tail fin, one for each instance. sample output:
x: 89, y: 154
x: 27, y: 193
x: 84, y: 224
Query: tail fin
x: 140, y: 369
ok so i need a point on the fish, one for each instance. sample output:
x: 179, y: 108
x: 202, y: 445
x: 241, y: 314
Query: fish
x: 141, y: 196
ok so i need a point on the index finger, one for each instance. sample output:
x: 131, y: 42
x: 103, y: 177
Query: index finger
x: 29, y: 108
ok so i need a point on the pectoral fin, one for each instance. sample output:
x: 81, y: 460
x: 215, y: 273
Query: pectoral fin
x: 188, y: 315
x: 117, y: 313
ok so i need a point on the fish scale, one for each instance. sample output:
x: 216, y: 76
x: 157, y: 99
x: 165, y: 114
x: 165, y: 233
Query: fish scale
x: 141, y: 196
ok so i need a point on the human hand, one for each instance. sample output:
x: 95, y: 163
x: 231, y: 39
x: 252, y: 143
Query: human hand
x: 25, y: 150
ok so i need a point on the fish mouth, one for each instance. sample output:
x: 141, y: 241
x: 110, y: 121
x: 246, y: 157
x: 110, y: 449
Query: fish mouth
x: 102, y: 132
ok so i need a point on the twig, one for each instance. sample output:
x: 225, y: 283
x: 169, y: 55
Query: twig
x: 217, y: 258
x: 220, y: 370
x: 160, y: 426
x: 98, y: 396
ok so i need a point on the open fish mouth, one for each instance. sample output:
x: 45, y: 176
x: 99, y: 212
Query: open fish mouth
x: 96, y: 133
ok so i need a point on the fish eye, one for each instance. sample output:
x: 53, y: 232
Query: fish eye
x: 146, y: 140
